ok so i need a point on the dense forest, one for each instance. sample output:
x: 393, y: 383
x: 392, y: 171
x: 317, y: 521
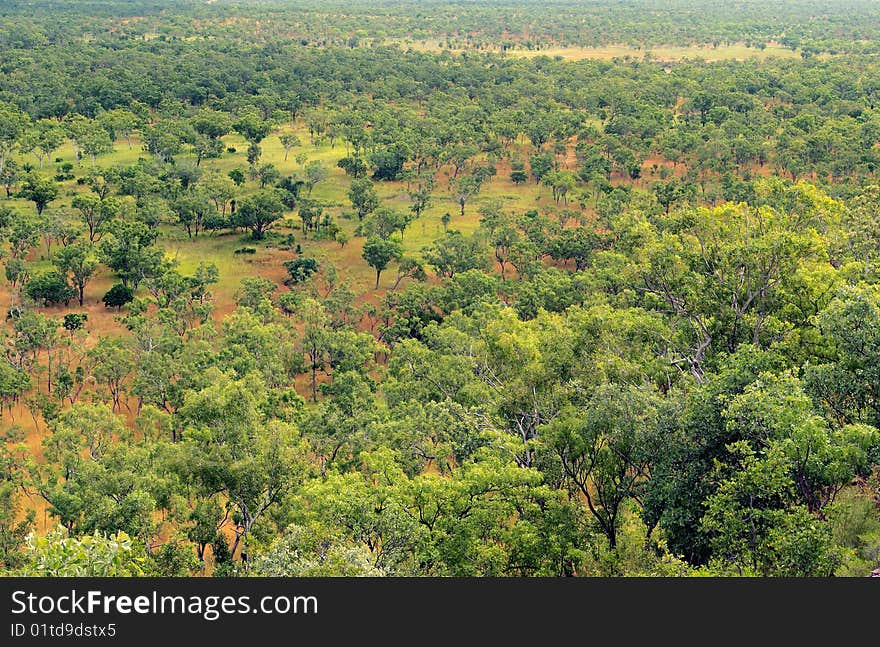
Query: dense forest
x: 469, y: 288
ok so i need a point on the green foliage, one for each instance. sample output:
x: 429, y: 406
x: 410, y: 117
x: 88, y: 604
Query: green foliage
x: 97, y: 555
x: 49, y: 288
x: 300, y: 270
x: 40, y: 191
x: 657, y: 359
x: 118, y: 296
x: 259, y: 212
x: 379, y: 252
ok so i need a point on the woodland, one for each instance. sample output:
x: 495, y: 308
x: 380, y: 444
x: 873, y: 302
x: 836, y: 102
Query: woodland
x: 472, y: 288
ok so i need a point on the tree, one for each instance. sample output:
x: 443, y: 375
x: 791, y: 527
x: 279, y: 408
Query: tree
x: 230, y: 447
x: 503, y: 238
x: 289, y: 142
x: 577, y: 244
x: 16, y: 524
x: 42, y: 139
x: 166, y: 138
x: 95, y: 555
x: 378, y: 252
x: 220, y: 189
x: 268, y: 174
x: 237, y: 176
x: 118, y: 296
x: 384, y: 223
x: 254, y: 152
x: 206, y: 148
x: 561, y: 182
x: 388, y: 162
x: 518, y: 173
x: 49, y: 287
x: 193, y: 210
x: 455, y: 252
x: 362, y: 195
x: 668, y: 193
x: 9, y: 175
x: 299, y: 552
x: 259, y: 212
x: 300, y: 270
x: 466, y: 187
x: 757, y: 528
x: 74, y: 321
x: 256, y: 293
x: 91, y: 137
x: 602, y: 450
x: 127, y: 249
x: 79, y: 261
x: 251, y: 126
x: 541, y: 165
x: 211, y: 124
x: 862, y: 227
x: 356, y: 167
x: 12, y: 125
x: 309, y: 214
x: 316, y: 172
x: 409, y: 268
x: 420, y: 197
x: 96, y: 212
x: 120, y: 122
x: 41, y: 191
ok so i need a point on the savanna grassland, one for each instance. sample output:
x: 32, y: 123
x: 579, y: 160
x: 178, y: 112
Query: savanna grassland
x: 460, y: 289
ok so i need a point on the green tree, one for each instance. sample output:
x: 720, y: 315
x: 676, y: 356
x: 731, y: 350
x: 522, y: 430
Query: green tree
x: 379, y: 252
x: 127, y: 249
x: 289, y: 142
x: 49, y: 287
x: 259, y: 212
x: 118, y: 296
x: 316, y: 173
x: 13, y: 123
x: 41, y: 191
x: 363, y: 197
x: 455, y: 252
x: 78, y: 260
x: 757, y: 528
x: 42, y: 139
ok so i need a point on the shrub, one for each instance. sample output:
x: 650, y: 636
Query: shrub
x: 118, y: 296
x: 300, y: 269
x: 75, y: 321
x: 50, y: 287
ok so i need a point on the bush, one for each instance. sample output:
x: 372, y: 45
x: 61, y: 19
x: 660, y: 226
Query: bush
x: 300, y: 269
x: 75, y: 321
x: 64, y: 172
x: 118, y: 296
x: 50, y: 287
x: 96, y: 555
x: 245, y: 250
